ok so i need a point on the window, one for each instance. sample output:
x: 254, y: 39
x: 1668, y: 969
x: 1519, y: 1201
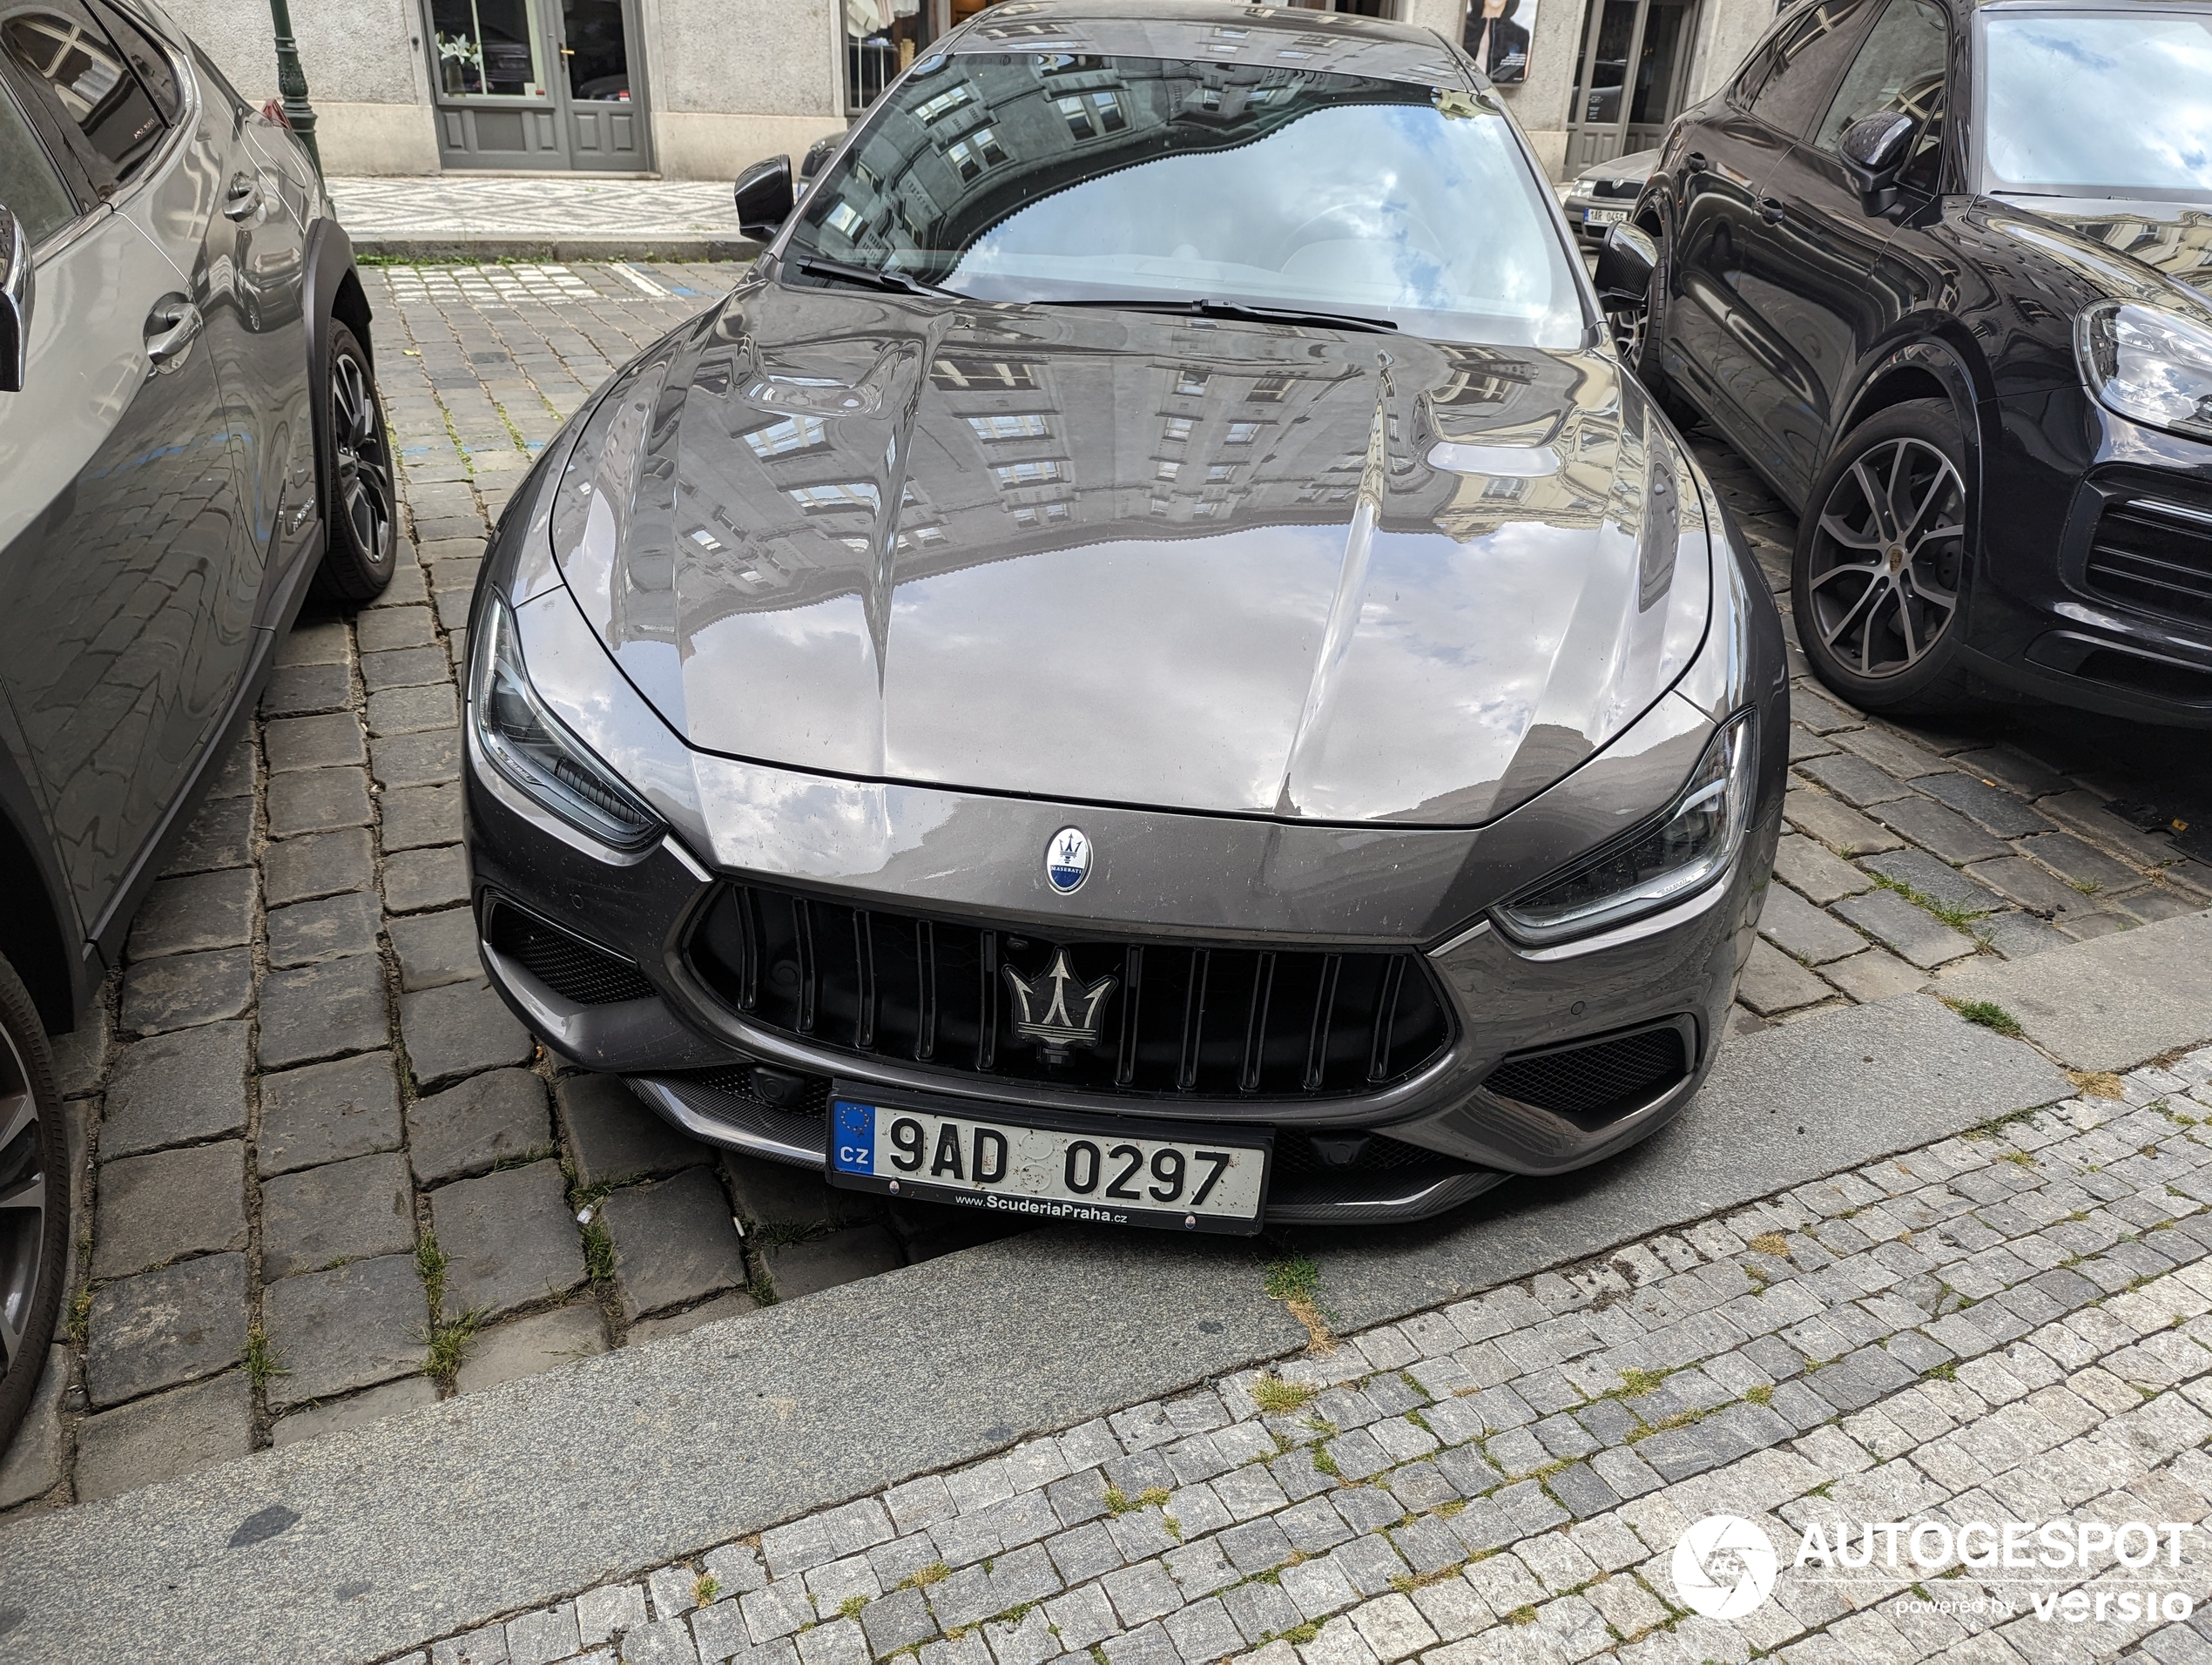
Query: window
x: 1055, y: 512
x: 1218, y: 472
x: 979, y: 149
x: 1269, y: 390
x: 29, y: 184
x: 156, y: 73
x: 1074, y: 112
x: 1178, y: 429
x: 1166, y: 469
x: 1802, y: 62
x: 1190, y: 384
x: 1900, y: 68
x: 1009, y: 428
x: 952, y: 376
x: 91, y: 83
x: 935, y: 110
x: 1030, y: 474
x: 1242, y: 433
x: 819, y: 499
x: 1088, y: 114
x: 793, y: 434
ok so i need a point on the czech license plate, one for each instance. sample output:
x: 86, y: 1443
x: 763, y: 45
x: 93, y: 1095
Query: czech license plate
x: 1048, y: 1167
x: 1604, y: 216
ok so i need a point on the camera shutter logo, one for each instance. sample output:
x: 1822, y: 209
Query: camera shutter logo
x: 1723, y: 1566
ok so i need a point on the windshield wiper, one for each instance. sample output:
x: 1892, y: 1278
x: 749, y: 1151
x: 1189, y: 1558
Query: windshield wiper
x: 871, y: 277
x: 1234, y: 309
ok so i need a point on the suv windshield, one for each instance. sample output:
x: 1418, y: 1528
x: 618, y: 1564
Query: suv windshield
x: 2055, y: 84
x: 1056, y: 177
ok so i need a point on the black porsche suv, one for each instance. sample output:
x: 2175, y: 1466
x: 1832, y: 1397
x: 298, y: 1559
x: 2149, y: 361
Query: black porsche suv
x: 1937, y: 269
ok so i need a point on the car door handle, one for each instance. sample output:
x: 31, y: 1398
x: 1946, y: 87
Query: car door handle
x: 1772, y: 209
x: 243, y: 199
x: 1695, y: 162
x: 171, y: 328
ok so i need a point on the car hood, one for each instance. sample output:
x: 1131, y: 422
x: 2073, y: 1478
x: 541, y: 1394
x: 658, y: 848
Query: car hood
x: 2173, y: 239
x: 1636, y: 166
x: 1117, y: 557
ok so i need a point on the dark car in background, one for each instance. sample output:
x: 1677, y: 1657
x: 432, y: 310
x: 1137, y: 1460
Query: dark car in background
x: 1133, y: 669
x: 1938, y: 270
x: 1604, y: 194
x: 189, y: 434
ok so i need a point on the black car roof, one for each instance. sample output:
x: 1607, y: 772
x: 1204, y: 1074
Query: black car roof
x: 1262, y: 36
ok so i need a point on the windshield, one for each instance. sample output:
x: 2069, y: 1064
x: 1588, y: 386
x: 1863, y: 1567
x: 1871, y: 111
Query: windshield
x: 2053, y: 87
x: 1059, y: 178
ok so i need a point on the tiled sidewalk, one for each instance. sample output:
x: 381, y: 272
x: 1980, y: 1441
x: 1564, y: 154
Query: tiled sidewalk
x: 450, y: 213
x: 2009, y: 1325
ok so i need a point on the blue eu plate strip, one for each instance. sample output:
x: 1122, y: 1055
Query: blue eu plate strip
x: 853, y: 1148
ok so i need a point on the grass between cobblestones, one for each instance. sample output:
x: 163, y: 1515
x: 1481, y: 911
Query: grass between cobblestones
x: 2015, y: 1324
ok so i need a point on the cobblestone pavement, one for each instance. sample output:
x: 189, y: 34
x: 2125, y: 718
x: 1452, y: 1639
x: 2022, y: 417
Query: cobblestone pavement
x: 2009, y: 1326
x: 327, y: 1177
x: 551, y: 204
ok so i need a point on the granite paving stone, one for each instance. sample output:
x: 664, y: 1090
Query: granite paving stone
x: 394, y: 627
x: 414, y: 817
x: 2032, y: 887
x: 295, y: 691
x: 175, y: 1089
x: 315, y: 800
x: 435, y: 948
x: 415, y: 880
x: 1854, y: 779
x: 508, y: 1237
x: 614, y: 1137
x: 460, y: 1029
x: 329, y: 1112
x: 822, y: 1263
x: 1999, y: 810
x: 674, y: 1242
x: 410, y: 710
x: 206, y: 910
x: 424, y: 759
x: 1944, y: 831
x: 393, y: 1399
x: 165, y: 1436
x: 312, y: 742
x: 343, y: 1210
x: 1914, y: 933
x: 348, y: 1327
x: 311, y: 1012
x: 162, y: 1328
x: 405, y: 668
x: 1836, y: 824
x: 2083, y: 866
x: 179, y: 990
x: 329, y: 929
x: 1774, y: 982
x: 525, y: 1346
x: 220, y: 834
x: 1810, y: 867
x: 318, y: 863
x: 1799, y: 929
x: 158, y: 1208
x: 496, y: 1118
x: 1948, y: 884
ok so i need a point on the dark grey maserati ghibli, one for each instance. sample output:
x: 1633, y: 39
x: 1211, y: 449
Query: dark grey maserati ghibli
x: 1147, y: 666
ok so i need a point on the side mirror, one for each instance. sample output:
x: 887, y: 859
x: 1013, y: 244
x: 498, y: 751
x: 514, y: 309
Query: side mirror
x: 765, y: 197
x: 15, y: 303
x: 1625, y: 268
x: 1872, y: 150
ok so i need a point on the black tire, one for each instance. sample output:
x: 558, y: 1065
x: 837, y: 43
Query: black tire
x: 1651, y: 339
x: 1879, y: 580
x: 361, y: 500
x: 34, y: 1201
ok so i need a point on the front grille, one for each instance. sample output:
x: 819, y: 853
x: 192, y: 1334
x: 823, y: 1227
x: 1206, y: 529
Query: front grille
x: 1628, y: 189
x: 570, y: 967
x: 1172, y: 1018
x: 2154, y: 555
x: 812, y: 1103
x: 1296, y: 1157
x: 1598, y: 1080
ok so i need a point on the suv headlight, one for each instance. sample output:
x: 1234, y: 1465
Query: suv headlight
x: 1694, y: 844
x: 528, y: 745
x: 2152, y: 366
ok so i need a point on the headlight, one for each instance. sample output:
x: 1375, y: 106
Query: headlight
x: 1692, y: 847
x: 2148, y: 364
x: 527, y: 743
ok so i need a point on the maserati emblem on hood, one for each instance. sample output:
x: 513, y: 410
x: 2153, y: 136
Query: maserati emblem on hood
x: 1070, y: 1012
x: 1067, y: 860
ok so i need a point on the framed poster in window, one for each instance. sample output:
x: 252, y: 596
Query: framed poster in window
x: 1496, y: 37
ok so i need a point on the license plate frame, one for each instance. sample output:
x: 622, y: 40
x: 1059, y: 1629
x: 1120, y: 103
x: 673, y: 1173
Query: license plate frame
x: 1604, y: 216
x: 844, y: 1167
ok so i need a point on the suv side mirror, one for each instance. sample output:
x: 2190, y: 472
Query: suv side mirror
x: 1625, y: 268
x: 1873, y: 151
x: 765, y: 197
x: 15, y: 303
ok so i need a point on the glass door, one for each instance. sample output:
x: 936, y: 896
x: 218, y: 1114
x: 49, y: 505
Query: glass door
x: 538, y: 84
x: 1630, y: 77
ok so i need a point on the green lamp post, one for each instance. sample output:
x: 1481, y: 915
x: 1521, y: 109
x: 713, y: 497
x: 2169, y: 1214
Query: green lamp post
x: 291, y: 81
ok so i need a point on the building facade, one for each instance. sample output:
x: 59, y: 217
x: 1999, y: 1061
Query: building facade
x: 699, y: 88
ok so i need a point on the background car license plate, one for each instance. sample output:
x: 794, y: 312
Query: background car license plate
x: 1177, y: 1177
x: 1604, y: 216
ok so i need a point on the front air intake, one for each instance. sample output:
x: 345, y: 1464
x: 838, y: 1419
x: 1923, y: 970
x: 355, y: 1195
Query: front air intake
x: 1592, y: 1083
x: 571, y: 968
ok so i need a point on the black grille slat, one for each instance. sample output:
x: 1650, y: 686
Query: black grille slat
x: 571, y: 968
x: 1180, y: 1019
x: 1620, y: 1073
x: 2160, y: 561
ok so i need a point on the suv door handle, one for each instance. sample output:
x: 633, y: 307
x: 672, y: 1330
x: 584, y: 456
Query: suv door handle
x: 243, y: 199
x: 171, y: 328
x: 1771, y: 209
x: 1695, y: 162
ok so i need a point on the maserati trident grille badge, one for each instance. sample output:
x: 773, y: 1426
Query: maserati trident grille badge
x: 1070, y: 1015
x: 1067, y: 860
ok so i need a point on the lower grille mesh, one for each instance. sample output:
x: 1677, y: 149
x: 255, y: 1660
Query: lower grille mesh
x: 1618, y: 1073
x: 570, y: 967
x: 2156, y: 556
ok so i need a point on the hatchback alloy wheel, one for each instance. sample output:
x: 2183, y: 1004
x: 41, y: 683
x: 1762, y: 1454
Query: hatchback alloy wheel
x: 23, y: 1202
x: 364, y: 463
x: 1887, y: 554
